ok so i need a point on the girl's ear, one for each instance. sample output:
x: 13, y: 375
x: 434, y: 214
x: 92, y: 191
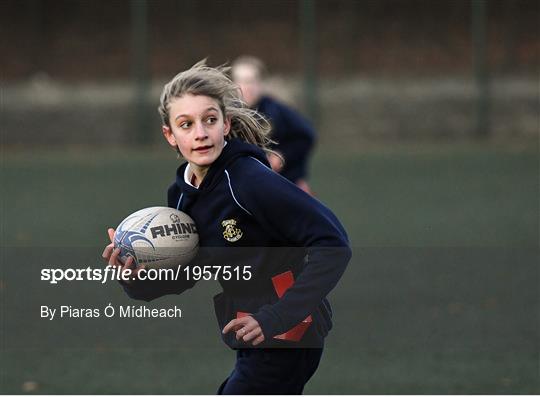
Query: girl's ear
x: 167, y: 133
x: 226, y: 126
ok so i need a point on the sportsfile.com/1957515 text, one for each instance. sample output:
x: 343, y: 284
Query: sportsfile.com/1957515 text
x: 110, y: 273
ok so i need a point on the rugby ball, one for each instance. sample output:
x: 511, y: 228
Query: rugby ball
x: 157, y: 237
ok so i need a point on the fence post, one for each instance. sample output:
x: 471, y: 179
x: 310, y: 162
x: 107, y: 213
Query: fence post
x: 480, y: 67
x: 308, y: 46
x: 139, y: 69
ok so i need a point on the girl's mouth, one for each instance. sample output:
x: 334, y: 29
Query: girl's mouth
x: 203, y: 149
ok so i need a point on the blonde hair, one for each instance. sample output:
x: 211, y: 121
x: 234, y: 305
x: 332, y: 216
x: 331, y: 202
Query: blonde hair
x: 246, y: 124
x: 254, y: 62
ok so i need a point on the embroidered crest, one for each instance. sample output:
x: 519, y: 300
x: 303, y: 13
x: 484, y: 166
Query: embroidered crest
x: 231, y: 232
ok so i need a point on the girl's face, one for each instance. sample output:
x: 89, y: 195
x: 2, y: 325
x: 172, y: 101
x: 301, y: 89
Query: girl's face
x: 247, y: 78
x: 198, y: 128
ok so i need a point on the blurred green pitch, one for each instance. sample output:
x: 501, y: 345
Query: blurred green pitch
x: 416, y: 326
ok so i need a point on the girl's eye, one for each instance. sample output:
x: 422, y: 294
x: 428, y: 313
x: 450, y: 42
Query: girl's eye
x: 185, y: 125
x: 211, y: 120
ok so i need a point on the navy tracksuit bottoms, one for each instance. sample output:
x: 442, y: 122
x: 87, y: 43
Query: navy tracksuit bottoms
x: 271, y: 371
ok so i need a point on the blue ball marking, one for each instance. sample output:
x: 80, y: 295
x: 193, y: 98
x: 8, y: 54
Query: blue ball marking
x: 124, y: 239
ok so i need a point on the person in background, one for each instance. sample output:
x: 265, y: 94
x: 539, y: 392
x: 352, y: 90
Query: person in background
x: 293, y: 135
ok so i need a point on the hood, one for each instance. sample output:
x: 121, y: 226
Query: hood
x: 234, y: 149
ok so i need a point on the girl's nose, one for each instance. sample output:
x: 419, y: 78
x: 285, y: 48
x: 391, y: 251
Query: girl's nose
x: 200, y: 132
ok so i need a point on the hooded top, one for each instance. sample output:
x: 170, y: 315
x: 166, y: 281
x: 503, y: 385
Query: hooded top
x: 248, y: 215
x: 294, y: 135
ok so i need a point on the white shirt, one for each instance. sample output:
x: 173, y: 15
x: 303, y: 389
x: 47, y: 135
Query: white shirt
x: 188, y: 174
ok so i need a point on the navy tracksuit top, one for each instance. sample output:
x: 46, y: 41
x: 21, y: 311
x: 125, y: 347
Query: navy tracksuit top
x: 294, y: 135
x: 281, y: 229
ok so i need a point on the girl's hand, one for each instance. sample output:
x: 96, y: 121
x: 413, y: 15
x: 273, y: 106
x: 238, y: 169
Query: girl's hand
x: 247, y: 329
x: 302, y: 184
x: 275, y: 162
x: 110, y: 255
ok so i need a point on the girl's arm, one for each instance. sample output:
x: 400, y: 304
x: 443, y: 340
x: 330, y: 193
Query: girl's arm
x: 296, y: 138
x: 279, y: 205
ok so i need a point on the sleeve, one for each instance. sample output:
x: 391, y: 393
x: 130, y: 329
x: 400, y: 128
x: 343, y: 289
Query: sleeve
x: 148, y: 290
x: 271, y: 198
x: 296, y: 138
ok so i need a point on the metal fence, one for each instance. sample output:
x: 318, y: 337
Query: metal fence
x: 471, y: 66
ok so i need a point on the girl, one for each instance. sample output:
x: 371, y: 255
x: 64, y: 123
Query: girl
x: 294, y: 135
x: 296, y: 248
